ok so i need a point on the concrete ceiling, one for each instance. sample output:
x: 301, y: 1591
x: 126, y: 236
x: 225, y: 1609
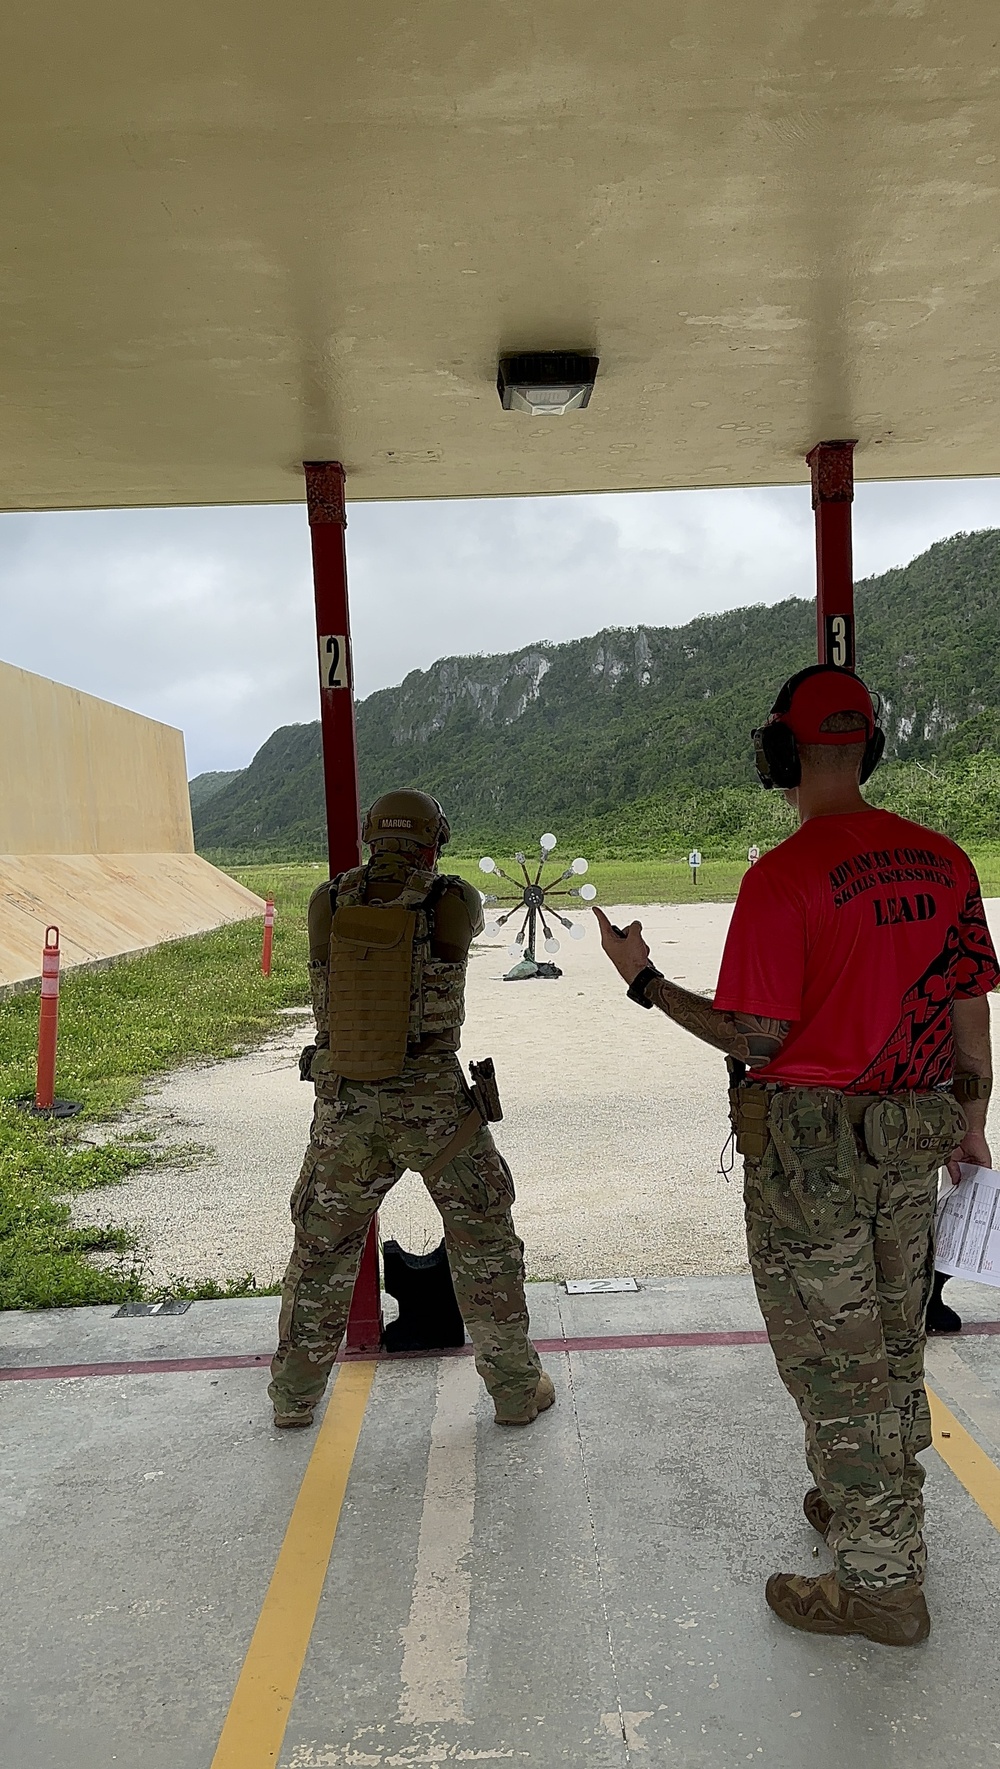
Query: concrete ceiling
x: 238, y: 235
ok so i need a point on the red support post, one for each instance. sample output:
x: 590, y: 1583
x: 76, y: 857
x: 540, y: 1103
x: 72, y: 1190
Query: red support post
x: 48, y: 1024
x: 832, y: 468
x: 328, y: 532
x: 265, y: 955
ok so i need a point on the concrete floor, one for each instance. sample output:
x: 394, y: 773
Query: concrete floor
x: 586, y: 1592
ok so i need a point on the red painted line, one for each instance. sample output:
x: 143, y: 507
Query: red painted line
x: 162, y: 1366
x: 170, y: 1366
x: 653, y: 1341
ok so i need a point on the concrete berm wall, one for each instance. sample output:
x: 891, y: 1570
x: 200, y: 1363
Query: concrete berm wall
x: 95, y: 831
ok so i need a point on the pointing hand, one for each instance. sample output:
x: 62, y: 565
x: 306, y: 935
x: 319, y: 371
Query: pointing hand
x: 628, y: 953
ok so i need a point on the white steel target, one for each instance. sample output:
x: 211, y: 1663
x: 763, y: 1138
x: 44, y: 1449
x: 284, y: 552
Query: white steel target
x: 534, y: 897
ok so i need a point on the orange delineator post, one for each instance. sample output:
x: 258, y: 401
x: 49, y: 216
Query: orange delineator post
x: 325, y: 484
x: 832, y: 467
x: 265, y: 956
x: 48, y: 1023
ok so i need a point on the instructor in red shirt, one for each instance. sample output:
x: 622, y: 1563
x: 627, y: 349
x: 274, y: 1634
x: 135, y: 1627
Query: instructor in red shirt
x: 852, y: 1004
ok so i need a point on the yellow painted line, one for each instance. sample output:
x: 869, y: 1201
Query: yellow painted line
x: 255, y: 1725
x: 978, y: 1474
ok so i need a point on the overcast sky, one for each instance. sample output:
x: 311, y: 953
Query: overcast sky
x: 203, y: 618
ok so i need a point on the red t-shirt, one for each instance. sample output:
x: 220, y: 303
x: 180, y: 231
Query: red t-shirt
x: 860, y: 930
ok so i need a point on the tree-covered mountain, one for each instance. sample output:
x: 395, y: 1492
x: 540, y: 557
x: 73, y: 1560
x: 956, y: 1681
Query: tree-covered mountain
x: 205, y: 786
x: 637, y: 738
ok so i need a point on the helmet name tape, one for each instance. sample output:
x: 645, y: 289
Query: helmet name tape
x: 406, y: 816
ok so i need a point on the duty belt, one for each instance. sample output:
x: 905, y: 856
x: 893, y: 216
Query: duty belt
x: 750, y: 1105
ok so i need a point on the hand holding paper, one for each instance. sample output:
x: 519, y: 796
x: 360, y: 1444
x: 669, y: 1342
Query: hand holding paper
x: 968, y: 1227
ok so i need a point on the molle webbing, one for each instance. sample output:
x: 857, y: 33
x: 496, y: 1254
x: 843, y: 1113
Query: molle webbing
x: 386, y: 990
x: 371, y: 964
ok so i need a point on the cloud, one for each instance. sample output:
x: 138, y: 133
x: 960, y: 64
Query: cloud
x: 203, y: 618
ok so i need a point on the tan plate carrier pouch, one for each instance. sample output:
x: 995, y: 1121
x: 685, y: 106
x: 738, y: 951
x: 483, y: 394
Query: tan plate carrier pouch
x: 371, y: 974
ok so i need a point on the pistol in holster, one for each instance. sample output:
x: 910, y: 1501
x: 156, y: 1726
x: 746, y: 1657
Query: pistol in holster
x: 748, y: 1110
x: 484, y: 1108
x: 484, y: 1091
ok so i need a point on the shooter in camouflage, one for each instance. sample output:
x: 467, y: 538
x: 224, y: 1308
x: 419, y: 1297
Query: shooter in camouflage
x: 853, y: 1008
x: 389, y: 946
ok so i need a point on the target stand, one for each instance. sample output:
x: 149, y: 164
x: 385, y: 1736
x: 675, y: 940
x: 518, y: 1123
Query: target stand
x: 533, y: 899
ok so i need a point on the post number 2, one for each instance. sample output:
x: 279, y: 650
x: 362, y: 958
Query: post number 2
x: 334, y: 661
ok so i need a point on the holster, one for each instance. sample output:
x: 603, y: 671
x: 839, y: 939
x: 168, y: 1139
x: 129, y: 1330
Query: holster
x: 485, y: 1092
x: 485, y: 1108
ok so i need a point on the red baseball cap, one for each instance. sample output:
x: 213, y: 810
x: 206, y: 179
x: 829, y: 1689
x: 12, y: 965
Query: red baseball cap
x: 822, y: 693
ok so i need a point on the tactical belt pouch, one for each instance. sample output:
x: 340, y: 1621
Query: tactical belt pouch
x: 371, y: 968
x: 915, y: 1124
x: 748, y: 1109
x: 323, y: 1074
x: 816, y: 1148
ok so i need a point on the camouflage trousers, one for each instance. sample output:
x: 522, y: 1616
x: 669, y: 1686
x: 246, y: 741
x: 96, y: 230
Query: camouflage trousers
x: 362, y: 1141
x: 840, y: 1219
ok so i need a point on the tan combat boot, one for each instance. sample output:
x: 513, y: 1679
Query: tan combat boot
x: 525, y: 1411
x: 293, y: 1418
x: 817, y: 1511
x: 896, y: 1616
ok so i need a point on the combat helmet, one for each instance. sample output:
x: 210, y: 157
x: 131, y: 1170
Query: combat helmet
x: 405, y: 819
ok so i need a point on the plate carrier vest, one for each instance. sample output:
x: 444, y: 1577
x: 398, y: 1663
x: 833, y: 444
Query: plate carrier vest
x: 386, y: 990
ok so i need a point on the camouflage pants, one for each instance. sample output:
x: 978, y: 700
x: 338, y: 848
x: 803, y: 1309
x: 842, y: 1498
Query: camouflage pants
x: 361, y: 1144
x: 840, y: 1243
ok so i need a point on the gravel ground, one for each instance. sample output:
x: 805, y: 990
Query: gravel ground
x: 614, y: 1122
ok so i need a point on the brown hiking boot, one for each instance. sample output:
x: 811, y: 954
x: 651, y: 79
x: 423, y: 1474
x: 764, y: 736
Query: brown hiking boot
x: 524, y: 1412
x: 293, y: 1418
x: 896, y: 1616
x: 817, y: 1511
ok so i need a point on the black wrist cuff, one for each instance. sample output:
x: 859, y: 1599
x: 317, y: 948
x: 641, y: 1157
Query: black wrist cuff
x: 637, y: 989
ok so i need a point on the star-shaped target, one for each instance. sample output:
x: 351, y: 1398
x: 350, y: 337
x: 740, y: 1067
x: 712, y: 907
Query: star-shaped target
x: 534, y: 900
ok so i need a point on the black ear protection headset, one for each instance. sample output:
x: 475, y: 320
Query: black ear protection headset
x: 776, y: 751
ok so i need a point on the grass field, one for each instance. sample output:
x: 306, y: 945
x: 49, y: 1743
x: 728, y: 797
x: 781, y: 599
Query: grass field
x: 630, y: 881
x: 196, y: 999
x: 669, y: 881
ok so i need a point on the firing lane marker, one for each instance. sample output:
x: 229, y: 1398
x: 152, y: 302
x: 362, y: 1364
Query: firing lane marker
x: 970, y: 1464
x: 436, y: 1637
x: 261, y: 1359
x: 258, y: 1714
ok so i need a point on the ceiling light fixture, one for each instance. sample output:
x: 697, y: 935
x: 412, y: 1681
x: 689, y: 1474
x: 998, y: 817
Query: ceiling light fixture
x: 546, y: 382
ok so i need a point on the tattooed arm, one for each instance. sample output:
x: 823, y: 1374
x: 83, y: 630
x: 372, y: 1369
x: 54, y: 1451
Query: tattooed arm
x: 748, y: 1037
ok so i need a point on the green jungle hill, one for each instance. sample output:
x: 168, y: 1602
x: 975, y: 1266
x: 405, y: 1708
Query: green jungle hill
x: 204, y: 786
x: 635, y: 741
